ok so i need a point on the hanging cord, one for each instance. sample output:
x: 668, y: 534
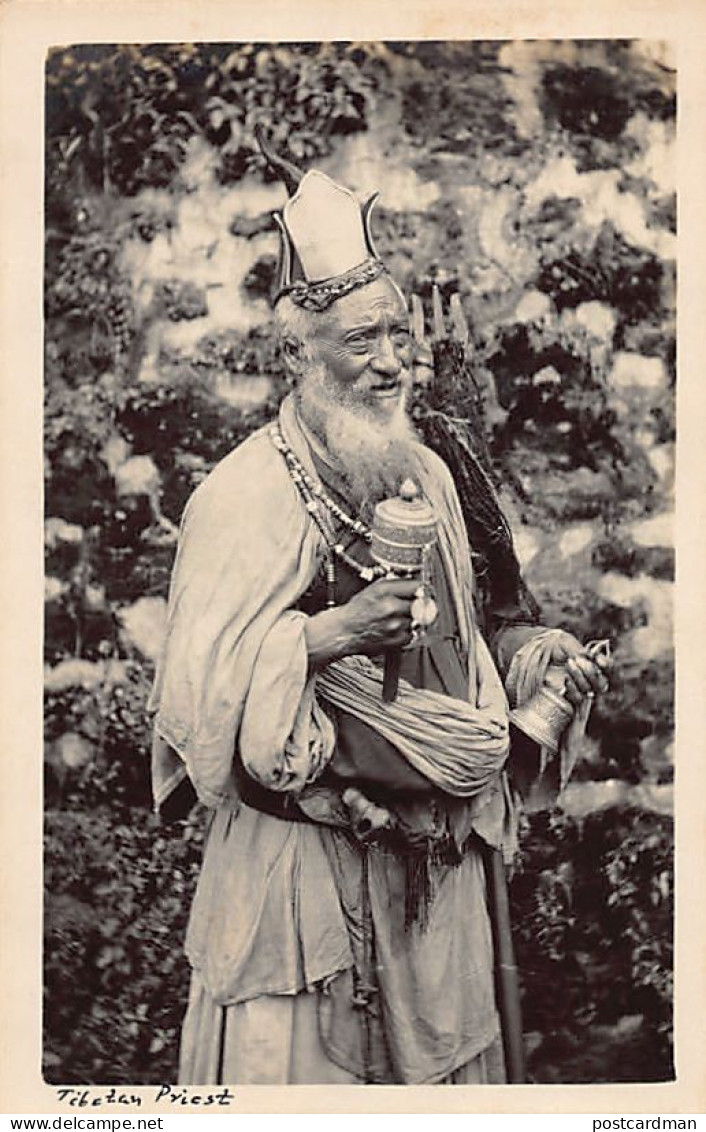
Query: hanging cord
x: 364, y: 986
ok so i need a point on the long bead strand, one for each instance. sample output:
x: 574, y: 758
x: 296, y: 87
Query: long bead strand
x: 315, y: 498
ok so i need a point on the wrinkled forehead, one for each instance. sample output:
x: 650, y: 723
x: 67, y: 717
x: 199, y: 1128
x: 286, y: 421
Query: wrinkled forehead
x: 377, y: 303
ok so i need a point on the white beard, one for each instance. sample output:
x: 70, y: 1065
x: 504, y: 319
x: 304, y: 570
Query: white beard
x: 373, y: 451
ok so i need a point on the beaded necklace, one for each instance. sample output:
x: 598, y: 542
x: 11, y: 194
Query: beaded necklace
x: 320, y: 506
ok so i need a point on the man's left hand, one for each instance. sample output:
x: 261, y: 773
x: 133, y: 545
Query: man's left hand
x: 584, y: 676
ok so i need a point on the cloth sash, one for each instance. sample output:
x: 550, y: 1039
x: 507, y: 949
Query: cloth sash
x: 456, y: 746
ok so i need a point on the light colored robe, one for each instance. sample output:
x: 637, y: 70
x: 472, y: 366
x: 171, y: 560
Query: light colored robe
x: 271, y: 916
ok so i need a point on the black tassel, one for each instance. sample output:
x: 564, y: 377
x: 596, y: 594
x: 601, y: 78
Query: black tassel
x: 417, y: 891
x: 495, y: 562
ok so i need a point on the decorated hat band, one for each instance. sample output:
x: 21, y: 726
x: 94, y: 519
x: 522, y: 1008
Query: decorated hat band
x: 320, y: 296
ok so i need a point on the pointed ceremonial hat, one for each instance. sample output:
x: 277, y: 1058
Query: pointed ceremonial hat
x: 326, y: 245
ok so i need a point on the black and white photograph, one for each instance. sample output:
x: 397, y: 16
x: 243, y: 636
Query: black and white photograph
x: 359, y: 437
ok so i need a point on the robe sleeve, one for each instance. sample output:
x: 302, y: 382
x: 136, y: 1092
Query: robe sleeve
x: 286, y: 738
x: 233, y: 678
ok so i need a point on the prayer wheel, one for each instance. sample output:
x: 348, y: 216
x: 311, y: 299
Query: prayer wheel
x: 403, y: 533
x: 404, y: 530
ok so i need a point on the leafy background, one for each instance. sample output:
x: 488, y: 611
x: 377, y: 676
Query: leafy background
x: 535, y: 178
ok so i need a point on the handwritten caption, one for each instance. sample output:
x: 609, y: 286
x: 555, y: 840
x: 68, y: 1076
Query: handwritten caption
x: 167, y: 1095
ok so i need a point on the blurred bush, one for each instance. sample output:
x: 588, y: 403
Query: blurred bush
x: 118, y: 895
x: 594, y: 902
x: 125, y: 115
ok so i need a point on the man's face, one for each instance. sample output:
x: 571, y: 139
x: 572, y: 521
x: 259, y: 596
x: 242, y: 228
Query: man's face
x: 364, y: 344
x: 351, y: 394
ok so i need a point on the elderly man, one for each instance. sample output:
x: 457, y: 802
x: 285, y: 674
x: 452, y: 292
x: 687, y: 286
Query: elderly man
x: 340, y: 929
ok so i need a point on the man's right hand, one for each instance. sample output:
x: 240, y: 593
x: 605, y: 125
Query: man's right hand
x: 375, y: 619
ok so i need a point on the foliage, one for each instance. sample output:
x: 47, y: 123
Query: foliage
x: 178, y: 299
x: 112, y: 717
x: 628, y: 279
x: 627, y: 717
x: 231, y: 352
x: 87, y: 286
x: 122, y: 117
x: 470, y: 110
x: 78, y: 422
x: 115, y: 982
x: 184, y: 424
x: 618, y: 554
x: 593, y: 103
x: 586, y: 100
x: 594, y: 907
x: 181, y: 423
x: 569, y: 416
